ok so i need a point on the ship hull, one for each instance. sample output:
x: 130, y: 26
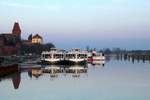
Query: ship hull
x: 64, y: 62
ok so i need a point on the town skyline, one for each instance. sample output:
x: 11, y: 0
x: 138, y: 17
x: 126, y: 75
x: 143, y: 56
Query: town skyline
x: 69, y: 24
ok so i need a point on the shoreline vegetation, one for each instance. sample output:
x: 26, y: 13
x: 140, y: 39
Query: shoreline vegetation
x: 35, y: 49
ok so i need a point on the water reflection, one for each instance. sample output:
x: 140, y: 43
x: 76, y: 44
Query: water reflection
x: 100, y: 63
x: 36, y: 72
x: 131, y: 58
x: 16, y: 80
x: 54, y: 71
x: 15, y: 77
x: 75, y: 82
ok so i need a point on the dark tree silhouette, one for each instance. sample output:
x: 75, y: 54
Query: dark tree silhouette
x: 36, y: 48
x: 30, y: 37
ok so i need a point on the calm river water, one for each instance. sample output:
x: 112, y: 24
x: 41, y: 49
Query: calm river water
x: 114, y: 80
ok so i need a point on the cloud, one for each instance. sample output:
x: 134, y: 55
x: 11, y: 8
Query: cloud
x: 29, y: 6
x: 15, y: 4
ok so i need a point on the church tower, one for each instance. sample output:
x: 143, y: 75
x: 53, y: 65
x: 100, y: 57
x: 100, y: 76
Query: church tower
x: 16, y: 30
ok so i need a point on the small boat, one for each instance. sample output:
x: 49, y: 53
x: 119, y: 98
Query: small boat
x: 90, y: 58
x: 95, y: 57
x: 98, y: 57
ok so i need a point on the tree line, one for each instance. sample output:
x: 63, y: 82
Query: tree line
x: 35, y: 48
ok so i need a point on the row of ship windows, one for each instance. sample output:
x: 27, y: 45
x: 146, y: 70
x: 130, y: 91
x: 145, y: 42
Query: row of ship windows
x: 67, y: 56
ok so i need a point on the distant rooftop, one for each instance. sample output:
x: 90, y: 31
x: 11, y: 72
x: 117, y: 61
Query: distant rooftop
x: 37, y: 36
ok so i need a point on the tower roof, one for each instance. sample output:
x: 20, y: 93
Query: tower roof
x: 16, y: 28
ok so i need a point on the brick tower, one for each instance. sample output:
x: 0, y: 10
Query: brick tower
x: 16, y: 30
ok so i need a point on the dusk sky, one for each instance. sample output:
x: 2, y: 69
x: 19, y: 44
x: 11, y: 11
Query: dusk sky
x: 78, y: 23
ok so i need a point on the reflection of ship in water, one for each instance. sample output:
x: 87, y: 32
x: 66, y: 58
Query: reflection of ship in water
x: 54, y: 71
x: 76, y: 70
x: 100, y: 63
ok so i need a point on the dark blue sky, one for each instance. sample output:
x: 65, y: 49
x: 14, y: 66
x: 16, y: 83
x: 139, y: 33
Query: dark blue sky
x: 78, y: 23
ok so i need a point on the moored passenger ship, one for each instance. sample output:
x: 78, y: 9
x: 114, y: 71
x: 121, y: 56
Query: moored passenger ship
x: 76, y: 56
x: 55, y: 56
